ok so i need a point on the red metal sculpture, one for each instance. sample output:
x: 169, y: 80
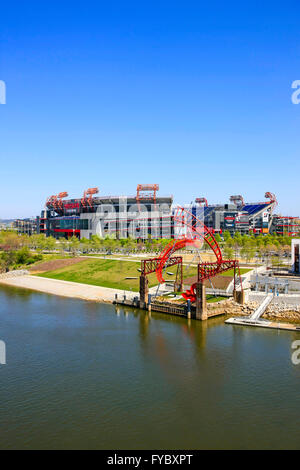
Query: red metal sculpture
x: 194, y: 230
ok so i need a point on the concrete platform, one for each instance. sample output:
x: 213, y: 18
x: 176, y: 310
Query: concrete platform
x: 263, y: 324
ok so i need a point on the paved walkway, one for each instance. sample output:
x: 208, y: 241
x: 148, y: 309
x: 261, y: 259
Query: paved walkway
x: 67, y: 289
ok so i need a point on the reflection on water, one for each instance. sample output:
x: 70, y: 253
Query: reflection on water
x: 87, y: 375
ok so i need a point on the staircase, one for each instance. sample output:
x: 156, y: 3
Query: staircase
x: 262, y: 308
x: 254, y: 318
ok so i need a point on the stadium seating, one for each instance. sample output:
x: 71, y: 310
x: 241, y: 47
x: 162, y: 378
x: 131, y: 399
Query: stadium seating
x: 253, y: 208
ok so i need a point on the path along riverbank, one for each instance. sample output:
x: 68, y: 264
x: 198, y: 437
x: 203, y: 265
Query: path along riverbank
x: 66, y: 288
x: 104, y: 294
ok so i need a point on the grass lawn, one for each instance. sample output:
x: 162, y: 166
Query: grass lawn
x: 113, y: 273
x: 211, y: 298
x: 107, y: 273
x: 230, y: 272
x: 50, y: 256
x: 102, y: 272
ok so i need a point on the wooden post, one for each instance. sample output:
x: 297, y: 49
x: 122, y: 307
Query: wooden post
x: 149, y: 303
x: 144, y: 291
x: 234, y: 280
x: 242, y: 297
x: 189, y: 313
x: 201, y: 308
x: 239, y: 296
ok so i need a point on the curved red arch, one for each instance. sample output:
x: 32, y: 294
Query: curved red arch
x: 196, y: 231
x: 166, y: 254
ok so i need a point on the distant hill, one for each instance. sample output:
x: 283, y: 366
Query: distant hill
x: 6, y: 221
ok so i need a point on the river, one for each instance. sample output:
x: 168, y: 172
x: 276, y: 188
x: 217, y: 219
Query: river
x: 92, y: 376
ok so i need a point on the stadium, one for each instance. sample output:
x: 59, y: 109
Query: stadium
x: 147, y: 214
x: 246, y: 217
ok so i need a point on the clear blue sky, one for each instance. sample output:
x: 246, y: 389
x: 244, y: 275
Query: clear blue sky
x: 195, y: 96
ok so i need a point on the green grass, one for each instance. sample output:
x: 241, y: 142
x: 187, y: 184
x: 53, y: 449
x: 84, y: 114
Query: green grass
x: 102, y: 272
x: 50, y: 256
x: 112, y: 273
x: 108, y: 273
x: 211, y: 298
x: 230, y: 272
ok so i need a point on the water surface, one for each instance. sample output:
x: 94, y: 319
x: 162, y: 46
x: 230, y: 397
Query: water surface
x: 86, y: 375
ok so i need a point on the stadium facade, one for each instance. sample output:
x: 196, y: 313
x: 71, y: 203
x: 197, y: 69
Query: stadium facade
x: 146, y: 215
x: 141, y: 216
x: 238, y: 216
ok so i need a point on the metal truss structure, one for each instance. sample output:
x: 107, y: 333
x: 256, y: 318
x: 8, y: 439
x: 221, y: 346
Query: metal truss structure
x: 87, y: 199
x: 149, y: 266
x: 202, y: 200
x: 194, y: 230
x: 146, y: 191
x: 238, y: 200
x: 273, y: 199
x: 55, y: 201
x: 208, y: 270
x: 152, y: 265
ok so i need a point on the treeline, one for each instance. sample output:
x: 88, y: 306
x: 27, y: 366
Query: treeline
x: 19, y: 250
x: 22, y: 250
x: 126, y: 245
x: 15, y: 251
x: 264, y: 247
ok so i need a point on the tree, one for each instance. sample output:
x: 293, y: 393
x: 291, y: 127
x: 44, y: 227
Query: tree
x: 22, y: 256
x: 49, y: 243
x: 248, y: 253
x: 96, y: 243
x: 74, y: 245
x: 228, y: 252
x: 218, y: 238
x: 85, y: 245
x: 226, y: 235
x: 238, y: 236
x: 63, y: 245
x: 10, y: 241
x: 37, y: 242
x: 8, y: 258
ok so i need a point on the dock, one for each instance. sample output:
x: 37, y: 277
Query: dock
x: 263, y: 324
x: 255, y: 318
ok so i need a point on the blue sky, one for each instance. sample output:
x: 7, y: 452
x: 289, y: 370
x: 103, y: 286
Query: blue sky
x: 195, y: 96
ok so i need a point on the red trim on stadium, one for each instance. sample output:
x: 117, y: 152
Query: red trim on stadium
x: 67, y: 230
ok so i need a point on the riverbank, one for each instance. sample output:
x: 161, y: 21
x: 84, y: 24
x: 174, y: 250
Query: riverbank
x: 276, y: 313
x: 66, y: 288
x: 76, y: 290
x: 87, y: 375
